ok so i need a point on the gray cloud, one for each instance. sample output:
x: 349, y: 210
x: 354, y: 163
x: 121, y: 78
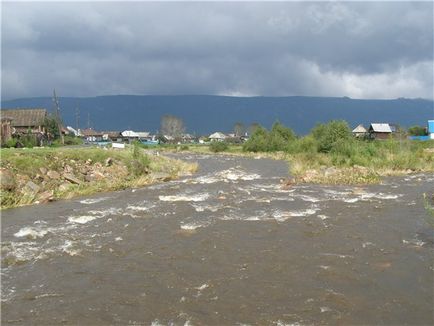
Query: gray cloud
x: 361, y: 50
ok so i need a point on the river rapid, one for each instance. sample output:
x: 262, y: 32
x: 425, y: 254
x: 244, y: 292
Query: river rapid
x: 226, y: 246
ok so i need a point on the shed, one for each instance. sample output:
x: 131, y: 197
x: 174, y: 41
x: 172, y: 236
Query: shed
x: 359, y: 131
x: 380, y: 130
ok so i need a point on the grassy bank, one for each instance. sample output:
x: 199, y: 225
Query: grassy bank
x: 43, y: 174
x: 331, y: 155
x: 355, y: 161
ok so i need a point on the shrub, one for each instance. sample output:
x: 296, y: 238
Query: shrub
x: 257, y: 141
x: 72, y: 140
x: 417, y: 131
x: 218, y: 146
x: 328, y: 134
x: 140, y: 163
x: 10, y: 143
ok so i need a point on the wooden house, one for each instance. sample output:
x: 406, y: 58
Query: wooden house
x: 359, y: 131
x: 380, y: 131
x: 23, y: 121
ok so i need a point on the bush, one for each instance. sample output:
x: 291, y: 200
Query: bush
x: 417, y: 131
x: 28, y: 141
x: 258, y: 141
x: 10, y: 143
x: 72, y: 140
x: 140, y: 163
x: 218, y: 146
x: 327, y: 135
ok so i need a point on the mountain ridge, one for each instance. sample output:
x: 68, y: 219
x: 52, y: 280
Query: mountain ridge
x: 203, y: 114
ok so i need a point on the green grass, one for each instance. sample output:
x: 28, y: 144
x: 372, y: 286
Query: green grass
x: 130, y: 168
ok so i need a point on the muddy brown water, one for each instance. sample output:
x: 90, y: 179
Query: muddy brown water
x: 226, y: 246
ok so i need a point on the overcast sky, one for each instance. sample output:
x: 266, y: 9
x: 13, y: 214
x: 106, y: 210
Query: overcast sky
x: 360, y: 50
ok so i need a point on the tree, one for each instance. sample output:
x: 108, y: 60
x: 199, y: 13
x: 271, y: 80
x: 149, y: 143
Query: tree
x: 417, y: 131
x: 172, y: 126
x: 279, y: 137
x: 51, y: 127
x: 253, y: 127
x: 238, y: 129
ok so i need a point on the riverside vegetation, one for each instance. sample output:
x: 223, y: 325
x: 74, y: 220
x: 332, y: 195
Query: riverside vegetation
x: 43, y: 174
x: 330, y: 154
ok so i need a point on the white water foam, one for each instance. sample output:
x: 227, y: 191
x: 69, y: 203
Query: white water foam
x: 234, y: 174
x: 194, y: 198
x: 83, y: 219
x: 93, y: 200
x: 31, y: 233
x: 192, y: 226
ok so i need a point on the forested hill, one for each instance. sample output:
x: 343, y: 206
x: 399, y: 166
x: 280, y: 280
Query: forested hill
x: 203, y: 114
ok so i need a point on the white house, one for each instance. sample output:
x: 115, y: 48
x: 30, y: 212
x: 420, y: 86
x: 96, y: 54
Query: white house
x: 359, y: 131
x: 217, y: 136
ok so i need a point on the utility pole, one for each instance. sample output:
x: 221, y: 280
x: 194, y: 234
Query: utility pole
x: 77, y: 118
x: 58, y: 119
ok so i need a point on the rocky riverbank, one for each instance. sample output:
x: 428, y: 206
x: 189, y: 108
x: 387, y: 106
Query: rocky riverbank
x: 34, y: 176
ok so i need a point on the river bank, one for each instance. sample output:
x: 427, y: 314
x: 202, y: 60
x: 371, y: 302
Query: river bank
x: 382, y: 159
x: 39, y: 175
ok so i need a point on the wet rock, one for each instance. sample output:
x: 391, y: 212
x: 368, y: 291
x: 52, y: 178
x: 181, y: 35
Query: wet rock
x: 46, y: 196
x: 71, y: 178
x: 108, y: 161
x: 287, y: 183
x: 53, y: 174
x: 7, y: 179
x: 31, y: 188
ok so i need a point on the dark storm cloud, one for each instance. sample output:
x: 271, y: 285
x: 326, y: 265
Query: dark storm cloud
x: 360, y: 50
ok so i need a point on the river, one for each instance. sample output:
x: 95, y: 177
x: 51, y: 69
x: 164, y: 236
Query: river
x: 226, y: 246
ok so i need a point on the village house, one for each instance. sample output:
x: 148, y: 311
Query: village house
x: 380, y: 131
x: 217, y: 136
x: 111, y: 136
x: 23, y: 121
x: 18, y: 122
x: 359, y: 131
x: 91, y: 135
